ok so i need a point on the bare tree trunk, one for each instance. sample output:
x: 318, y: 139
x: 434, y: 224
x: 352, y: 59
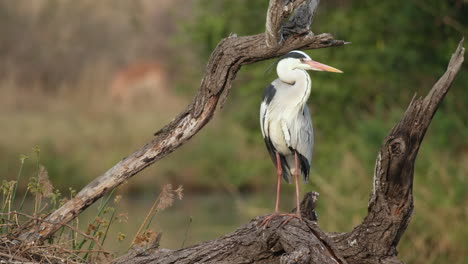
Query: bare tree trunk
x: 391, y: 202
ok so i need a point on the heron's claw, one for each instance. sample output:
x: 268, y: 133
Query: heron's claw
x: 291, y: 216
x: 267, y: 219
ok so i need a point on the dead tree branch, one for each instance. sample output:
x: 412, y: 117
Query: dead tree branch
x: 391, y: 202
x: 277, y: 12
x: 224, y: 63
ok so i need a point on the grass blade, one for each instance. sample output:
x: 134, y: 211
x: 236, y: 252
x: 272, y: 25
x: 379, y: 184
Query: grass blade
x: 22, y: 159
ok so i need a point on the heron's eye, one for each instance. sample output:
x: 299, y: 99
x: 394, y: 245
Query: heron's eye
x: 302, y: 60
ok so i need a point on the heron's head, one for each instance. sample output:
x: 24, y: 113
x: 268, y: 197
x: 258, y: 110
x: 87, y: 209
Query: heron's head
x: 299, y: 60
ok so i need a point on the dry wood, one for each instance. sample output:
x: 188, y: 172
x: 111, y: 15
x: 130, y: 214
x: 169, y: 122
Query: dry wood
x: 294, y: 242
x: 38, y: 219
x: 277, y: 12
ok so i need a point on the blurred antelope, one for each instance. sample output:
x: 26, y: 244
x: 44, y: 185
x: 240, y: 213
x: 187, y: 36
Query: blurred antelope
x: 140, y: 83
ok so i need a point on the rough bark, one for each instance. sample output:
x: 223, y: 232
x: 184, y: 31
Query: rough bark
x: 294, y: 242
x: 225, y: 61
x: 374, y: 241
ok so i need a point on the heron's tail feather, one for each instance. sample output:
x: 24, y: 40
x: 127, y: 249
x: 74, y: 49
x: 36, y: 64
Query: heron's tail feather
x: 304, y: 167
x: 286, y: 169
x: 288, y: 165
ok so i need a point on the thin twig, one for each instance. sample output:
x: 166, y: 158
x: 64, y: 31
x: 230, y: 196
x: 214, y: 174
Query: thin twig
x: 14, y: 257
x: 75, y: 250
x: 186, y: 232
x: 150, y: 212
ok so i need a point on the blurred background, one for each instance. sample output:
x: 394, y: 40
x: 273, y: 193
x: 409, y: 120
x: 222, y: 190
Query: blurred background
x: 85, y: 83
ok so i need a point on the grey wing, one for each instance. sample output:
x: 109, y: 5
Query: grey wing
x: 302, y: 140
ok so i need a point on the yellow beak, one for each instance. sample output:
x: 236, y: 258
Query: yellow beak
x: 317, y: 66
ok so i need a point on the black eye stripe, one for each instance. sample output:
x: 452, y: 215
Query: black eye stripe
x: 295, y: 55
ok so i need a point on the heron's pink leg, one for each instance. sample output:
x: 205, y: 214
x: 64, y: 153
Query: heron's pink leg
x: 296, y: 176
x: 279, y: 171
x: 298, y: 205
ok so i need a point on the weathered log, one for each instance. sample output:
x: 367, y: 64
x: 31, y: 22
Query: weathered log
x: 294, y: 242
x: 225, y: 61
x: 374, y: 241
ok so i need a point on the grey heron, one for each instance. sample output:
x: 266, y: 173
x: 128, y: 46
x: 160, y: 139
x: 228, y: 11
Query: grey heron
x: 285, y: 120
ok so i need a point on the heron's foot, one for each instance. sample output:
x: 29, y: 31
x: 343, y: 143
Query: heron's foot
x: 267, y: 219
x: 290, y: 217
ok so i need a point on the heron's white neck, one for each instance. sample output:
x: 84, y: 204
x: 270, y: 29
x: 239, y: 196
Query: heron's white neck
x: 300, y: 81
